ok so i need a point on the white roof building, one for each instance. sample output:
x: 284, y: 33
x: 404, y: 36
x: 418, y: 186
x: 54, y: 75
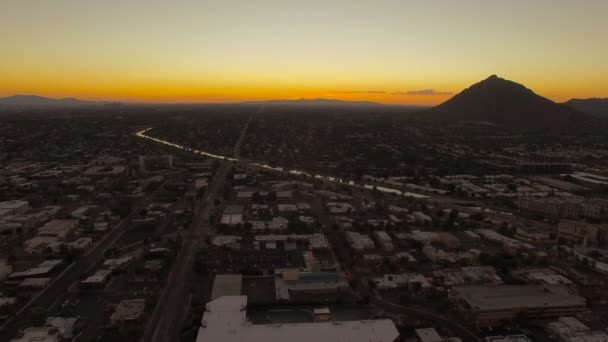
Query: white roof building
x: 39, y: 334
x: 97, y: 278
x: 58, y: 228
x: 226, y: 320
x: 428, y: 335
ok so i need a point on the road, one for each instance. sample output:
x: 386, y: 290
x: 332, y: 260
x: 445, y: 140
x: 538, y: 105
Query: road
x: 171, y: 308
x: 70, y: 276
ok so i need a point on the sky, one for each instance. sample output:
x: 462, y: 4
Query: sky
x: 405, y: 52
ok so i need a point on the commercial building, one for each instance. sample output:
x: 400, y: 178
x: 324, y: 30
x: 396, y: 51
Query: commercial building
x: 128, y: 311
x: 581, y: 232
x: 296, y: 286
x: 486, y: 305
x: 59, y: 229
x: 225, y: 320
x: 404, y: 280
x: 569, y: 329
x: 226, y: 285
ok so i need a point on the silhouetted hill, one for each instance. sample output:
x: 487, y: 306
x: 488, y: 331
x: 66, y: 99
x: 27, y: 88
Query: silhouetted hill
x: 40, y: 101
x: 506, y: 103
x: 597, y: 107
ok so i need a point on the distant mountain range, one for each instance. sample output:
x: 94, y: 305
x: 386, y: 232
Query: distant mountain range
x: 39, y: 101
x: 315, y: 102
x: 506, y: 103
x: 596, y: 107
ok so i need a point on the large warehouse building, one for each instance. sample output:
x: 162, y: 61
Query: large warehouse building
x: 486, y: 305
x: 226, y: 320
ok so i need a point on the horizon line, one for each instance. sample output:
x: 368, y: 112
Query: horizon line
x: 137, y: 102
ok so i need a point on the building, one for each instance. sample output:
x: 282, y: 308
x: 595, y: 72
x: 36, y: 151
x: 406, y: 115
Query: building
x: 118, y: 263
x: 404, y: 280
x: 590, y: 180
x: 33, y: 284
x: 481, y: 275
x: 581, y: 232
x: 384, y: 240
x: 13, y: 207
x: 41, y: 245
x: 487, y: 305
x: 225, y: 320
x: 128, y: 311
x: 39, y: 334
x: 315, y: 241
x: 81, y: 244
x: 64, y: 325
x: 232, y: 219
x: 295, y: 285
x: 59, y: 229
x: 322, y: 315
x: 428, y: 335
x: 359, y: 242
x: 544, y: 276
x: 569, y: 329
x: 226, y: 285
x: 43, y: 270
x: 421, y: 218
x: 98, y: 279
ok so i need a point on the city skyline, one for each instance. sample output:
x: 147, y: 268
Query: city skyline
x: 396, y: 52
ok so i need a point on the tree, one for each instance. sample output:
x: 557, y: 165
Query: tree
x: 595, y: 254
x: 37, y: 316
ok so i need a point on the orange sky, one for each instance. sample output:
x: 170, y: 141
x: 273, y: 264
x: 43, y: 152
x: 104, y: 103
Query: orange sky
x: 385, y: 51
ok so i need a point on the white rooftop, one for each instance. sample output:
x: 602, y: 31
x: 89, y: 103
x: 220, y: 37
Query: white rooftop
x: 226, y: 320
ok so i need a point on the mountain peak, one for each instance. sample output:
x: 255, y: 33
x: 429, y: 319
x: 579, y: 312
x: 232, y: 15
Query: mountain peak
x: 504, y: 102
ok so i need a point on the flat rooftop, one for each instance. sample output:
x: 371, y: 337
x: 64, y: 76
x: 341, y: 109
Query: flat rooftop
x: 226, y: 285
x: 226, y: 320
x: 506, y: 297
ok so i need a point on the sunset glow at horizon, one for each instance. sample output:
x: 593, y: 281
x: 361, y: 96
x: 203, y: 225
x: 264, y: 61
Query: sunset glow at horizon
x: 388, y: 51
